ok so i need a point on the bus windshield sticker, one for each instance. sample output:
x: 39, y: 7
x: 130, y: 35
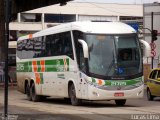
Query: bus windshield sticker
x: 120, y: 70
x: 100, y: 37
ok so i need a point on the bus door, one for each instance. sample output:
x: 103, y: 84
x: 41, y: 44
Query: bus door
x: 82, y: 67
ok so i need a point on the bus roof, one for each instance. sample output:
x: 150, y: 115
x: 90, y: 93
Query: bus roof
x: 86, y: 27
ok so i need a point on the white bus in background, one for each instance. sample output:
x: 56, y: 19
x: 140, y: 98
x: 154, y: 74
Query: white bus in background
x: 82, y: 61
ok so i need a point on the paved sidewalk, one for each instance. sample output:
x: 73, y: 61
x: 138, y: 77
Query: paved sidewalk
x: 23, y: 113
x: 20, y: 113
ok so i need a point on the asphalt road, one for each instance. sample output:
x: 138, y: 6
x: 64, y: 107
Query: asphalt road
x: 59, y: 109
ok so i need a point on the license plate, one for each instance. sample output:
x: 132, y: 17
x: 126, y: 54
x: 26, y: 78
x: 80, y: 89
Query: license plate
x: 120, y: 94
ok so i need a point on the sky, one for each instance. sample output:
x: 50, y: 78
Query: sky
x: 120, y: 1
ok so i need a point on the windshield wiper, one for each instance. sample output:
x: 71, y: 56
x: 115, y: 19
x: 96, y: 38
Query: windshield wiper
x: 110, y: 67
x: 114, y: 61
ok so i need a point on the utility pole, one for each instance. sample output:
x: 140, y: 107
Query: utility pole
x: 7, y: 16
x: 151, y: 37
x: 2, y: 29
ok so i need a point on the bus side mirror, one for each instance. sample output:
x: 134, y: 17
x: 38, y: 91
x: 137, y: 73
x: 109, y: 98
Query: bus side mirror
x: 85, y: 47
x: 146, y: 48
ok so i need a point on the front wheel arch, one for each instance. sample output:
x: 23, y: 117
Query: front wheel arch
x: 72, y: 94
x: 34, y: 96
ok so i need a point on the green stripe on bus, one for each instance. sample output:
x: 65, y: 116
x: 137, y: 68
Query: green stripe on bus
x: 119, y: 82
x: 107, y: 82
x: 55, y: 65
x: 41, y: 76
x: 93, y: 80
x: 39, y: 66
x: 30, y: 66
x: 67, y: 64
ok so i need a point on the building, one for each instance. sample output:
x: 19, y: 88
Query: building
x: 148, y: 9
x: 38, y: 19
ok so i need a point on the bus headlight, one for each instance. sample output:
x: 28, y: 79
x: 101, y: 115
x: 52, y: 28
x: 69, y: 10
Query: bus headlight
x: 91, y: 83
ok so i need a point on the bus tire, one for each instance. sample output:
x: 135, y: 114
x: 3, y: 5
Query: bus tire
x: 72, y: 94
x: 28, y: 93
x: 149, y: 95
x: 68, y: 100
x: 35, y: 98
x: 43, y: 98
x: 120, y: 102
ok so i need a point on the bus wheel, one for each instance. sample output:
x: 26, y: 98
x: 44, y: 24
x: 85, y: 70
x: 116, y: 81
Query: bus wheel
x: 34, y: 97
x: 72, y: 95
x: 120, y: 102
x: 149, y: 96
x: 42, y: 98
x: 28, y: 93
x: 68, y: 100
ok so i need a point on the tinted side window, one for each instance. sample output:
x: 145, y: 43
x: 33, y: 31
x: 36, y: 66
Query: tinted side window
x: 158, y: 76
x: 67, y: 45
x: 81, y: 60
x: 59, y: 44
x: 19, y: 49
x: 29, y: 49
x: 23, y: 47
x: 24, y: 50
x: 150, y: 76
x: 39, y: 47
x: 51, y: 47
x: 79, y: 51
x: 154, y: 74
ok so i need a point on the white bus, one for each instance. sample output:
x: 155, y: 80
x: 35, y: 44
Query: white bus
x: 82, y: 61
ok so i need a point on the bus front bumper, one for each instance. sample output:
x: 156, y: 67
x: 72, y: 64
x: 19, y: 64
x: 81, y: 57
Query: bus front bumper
x: 95, y: 93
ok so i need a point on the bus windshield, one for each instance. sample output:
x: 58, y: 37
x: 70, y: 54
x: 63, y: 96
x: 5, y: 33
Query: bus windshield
x: 114, y: 55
